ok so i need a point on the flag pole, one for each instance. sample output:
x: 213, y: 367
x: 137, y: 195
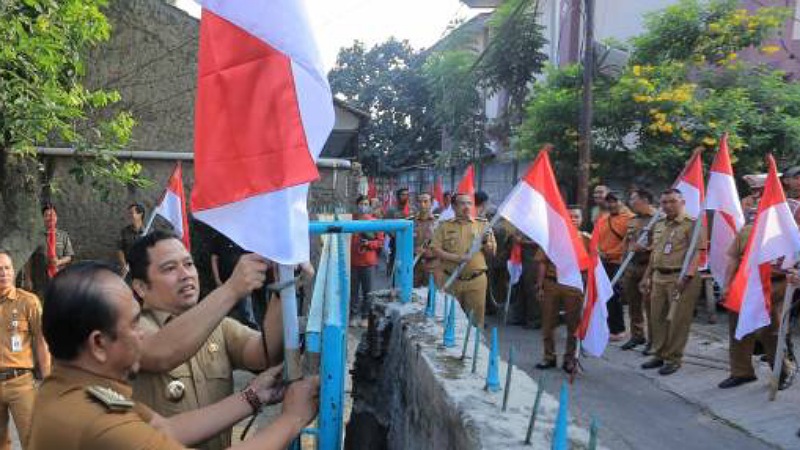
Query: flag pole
x: 774, y: 384
x: 687, y: 259
x: 640, y: 241
x: 291, y: 330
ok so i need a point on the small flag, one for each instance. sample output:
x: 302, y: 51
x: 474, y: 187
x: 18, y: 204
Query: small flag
x: 690, y: 183
x: 438, y: 193
x: 593, y: 330
x: 774, y: 235
x: 52, y: 268
x: 536, y: 208
x: 465, y: 186
x: 723, y: 198
x: 172, y: 206
x: 514, y: 264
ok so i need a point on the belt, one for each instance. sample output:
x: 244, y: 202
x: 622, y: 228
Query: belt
x: 8, y: 374
x: 469, y: 277
x: 668, y: 271
x: 777, y: 277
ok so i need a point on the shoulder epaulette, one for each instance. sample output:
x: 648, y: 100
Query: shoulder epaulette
x: 111, y: 399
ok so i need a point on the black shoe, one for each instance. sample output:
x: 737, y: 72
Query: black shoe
x: 786, y: 379
x: 732, y: 382
x: 633, y: 342
x: 648, y: 349
x: 654, y: 363
x: 568, y: 366
x: 669, y: 369
x: 544, y: 365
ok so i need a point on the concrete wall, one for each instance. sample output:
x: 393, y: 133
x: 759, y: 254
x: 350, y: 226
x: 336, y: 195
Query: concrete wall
x: 411, y: 393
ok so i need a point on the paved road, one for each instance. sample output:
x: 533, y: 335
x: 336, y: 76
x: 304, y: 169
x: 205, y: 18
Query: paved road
x: 635, y: 410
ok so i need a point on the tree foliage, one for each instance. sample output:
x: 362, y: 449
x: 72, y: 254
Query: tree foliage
x: 685, y: 85
x: 387, y: 82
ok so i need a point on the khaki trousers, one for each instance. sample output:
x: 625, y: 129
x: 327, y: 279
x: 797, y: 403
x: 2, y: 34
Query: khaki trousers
x: 638, y: 303
x: 472, y: 297
x: 741, y: 351
x: 556, y: 298
x: 17, y: 396
x: 670, y: 336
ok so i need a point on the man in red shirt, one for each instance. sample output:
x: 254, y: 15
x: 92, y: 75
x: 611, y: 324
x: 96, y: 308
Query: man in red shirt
x: 364, y: 248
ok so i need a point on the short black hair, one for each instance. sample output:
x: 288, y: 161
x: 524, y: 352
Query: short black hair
x: 48, y: 205
x: 481, y: 197
x: 672, y: 191
x: 400, y: 191
x: 612, y: 196
x: 645, y: 195
x: 138, y: 207
x: 75, y: 307
x: 424, y: 193
x: 138, y: 256
x: 361, y: 198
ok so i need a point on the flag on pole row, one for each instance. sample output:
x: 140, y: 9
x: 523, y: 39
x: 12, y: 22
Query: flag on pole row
x: 775, y: 235
x: 690, y: 184
x: 263, y: 113
x: 536, y: 208
x: 593, y: 330
x: 172, y: 206
x: 465, y: 186
x: 723, y: 198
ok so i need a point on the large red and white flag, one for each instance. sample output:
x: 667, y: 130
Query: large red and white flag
x: 536, y: 208
x: 465, y: 186
x: 172, y: 206
x: 514, y: 264
x: 774, y: 235
x: 723, y: 198
x: 264, y: 111
x: 593, y: 331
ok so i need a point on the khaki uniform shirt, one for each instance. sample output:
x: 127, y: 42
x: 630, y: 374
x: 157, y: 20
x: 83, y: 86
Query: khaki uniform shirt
x: 423, y: 230
x: 456, y: 236
x: 671, y: 239
x: 67, y: 417
x: 550, y: 268
x: 636, y: 227
x: 21, y: 318
x: 207, y: 377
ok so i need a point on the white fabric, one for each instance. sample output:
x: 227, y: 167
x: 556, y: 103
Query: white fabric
x: 691, y: 195
x: 529, y: 211
x: 514, y: 272
x: 447, y: 214
x: 170, y: 209
x: 723, y: 197
x: 775, y: 235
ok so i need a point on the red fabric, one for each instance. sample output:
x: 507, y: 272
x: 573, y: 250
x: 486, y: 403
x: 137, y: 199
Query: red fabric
x: 541, y: 178
x: 365, y: 256
x: 52, y: 268
x: 176, y: 185
x: 467, y: 185
x: 244, y: 147
x: 591, y: 283
x: 372, y: 192
x: 438, y: 192
x: 722, y: 162
x: 516, y: 254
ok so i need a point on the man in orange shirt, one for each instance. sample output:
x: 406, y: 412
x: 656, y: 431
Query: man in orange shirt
x: 613, y: 226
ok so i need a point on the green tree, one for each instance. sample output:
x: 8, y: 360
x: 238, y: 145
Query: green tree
x: 684, y: 86
x: 43, y: 102
x: 387, y: 82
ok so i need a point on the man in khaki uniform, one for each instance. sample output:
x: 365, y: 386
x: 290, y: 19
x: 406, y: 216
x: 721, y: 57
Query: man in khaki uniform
x: 194, y: 367
x: 553, y: 298
x: 451, y: 244
x: 672, y: 299
x: 638, y: 304
x: 22, y: 349
x: 424, y: 226
x: 85, y: 403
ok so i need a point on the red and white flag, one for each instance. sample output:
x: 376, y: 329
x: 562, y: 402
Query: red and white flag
x: 514, y: 264
x: 723, y: 198
x: 172, y: 206
x: 593, y: 330
x: 264, y: 111
x: 536, y: 208
x: 438, y: 193
x: 690, y: 183
x: 372, y: 191
x: 465, y: 186
x: 774, y: 235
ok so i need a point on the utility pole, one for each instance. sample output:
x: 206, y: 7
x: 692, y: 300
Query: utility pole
x: 585, y: 142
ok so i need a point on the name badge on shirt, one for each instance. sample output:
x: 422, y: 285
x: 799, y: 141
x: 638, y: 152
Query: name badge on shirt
x: 668, y: 248
x: 16, y: 343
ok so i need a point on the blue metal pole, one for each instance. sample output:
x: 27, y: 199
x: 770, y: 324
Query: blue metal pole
x: 404, y: 261
x: 450, y: 326
x: 430, y: 309
x: 593, y: 434
x: 560, y: 432
x: 332, y: 370
x: 493, y: 371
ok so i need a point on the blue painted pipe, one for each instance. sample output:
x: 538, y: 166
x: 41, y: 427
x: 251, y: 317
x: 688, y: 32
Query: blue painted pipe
x: 450, y: 326
x: 560, y: 433
x: 493, y: 371
x: 430, y: 309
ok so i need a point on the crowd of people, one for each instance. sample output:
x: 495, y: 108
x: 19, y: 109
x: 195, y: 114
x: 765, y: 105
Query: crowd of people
x: 660, y: 290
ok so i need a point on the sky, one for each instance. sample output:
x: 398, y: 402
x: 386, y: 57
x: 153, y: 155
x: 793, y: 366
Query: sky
x: 337, y: 23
